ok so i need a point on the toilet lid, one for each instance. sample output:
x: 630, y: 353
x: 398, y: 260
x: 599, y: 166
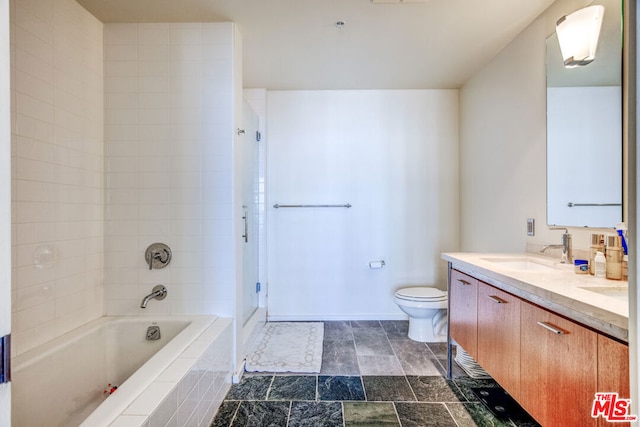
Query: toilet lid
x: 422, y: 294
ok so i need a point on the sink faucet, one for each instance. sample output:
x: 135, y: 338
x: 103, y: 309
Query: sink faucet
x: 159, y: 292
x: 567, y: 256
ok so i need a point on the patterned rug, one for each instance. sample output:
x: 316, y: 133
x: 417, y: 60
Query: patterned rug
x: 287, y: 347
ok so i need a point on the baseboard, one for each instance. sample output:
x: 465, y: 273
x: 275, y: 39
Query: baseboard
x: 334, y: 317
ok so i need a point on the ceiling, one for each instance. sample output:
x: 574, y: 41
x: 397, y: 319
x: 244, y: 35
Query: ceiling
x: 295, y: 44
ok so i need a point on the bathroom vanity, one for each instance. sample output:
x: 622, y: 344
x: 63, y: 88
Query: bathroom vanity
x: 551, y: 338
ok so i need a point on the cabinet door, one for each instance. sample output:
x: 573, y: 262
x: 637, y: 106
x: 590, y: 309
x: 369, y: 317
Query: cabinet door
x: 613, y: 371
x: 463, y: 317
x: 499, y: 336
x: 558, y: 368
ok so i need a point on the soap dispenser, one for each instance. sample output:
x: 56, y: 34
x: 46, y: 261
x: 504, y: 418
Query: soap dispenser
x: 600, y: 265
x: 597, y: 245
x: 614, y: 257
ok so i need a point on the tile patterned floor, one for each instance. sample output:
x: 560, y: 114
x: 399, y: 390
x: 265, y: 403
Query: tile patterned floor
x: 372, y: 375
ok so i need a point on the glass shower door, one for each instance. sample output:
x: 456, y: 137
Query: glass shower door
x: 250, y: 205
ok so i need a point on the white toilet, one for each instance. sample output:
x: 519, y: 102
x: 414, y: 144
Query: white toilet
x: 426, y: 308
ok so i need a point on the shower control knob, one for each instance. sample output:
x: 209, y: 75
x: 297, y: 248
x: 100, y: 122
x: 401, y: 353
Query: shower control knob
x: 157, y: 255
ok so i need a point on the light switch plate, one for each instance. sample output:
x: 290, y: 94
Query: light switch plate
x: 531, y: 227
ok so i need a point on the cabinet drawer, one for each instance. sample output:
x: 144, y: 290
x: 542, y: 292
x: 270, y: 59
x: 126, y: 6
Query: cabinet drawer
x: 463, y: 313
x: 499, y: 336
x: 558, y: 368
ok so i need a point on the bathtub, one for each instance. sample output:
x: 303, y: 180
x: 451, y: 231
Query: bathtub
x: 179, y: 379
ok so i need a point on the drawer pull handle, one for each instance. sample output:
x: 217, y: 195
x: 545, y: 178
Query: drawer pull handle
x: 551, y: 328
x: 464, y: 282
x: 496, y: 299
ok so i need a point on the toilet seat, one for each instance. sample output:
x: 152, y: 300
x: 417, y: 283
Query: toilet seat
x: 421, y: 294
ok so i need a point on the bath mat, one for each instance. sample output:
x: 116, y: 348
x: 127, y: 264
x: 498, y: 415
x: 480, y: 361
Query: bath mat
x: 287, y: 347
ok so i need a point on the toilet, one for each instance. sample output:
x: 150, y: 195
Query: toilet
x: 426, y: 308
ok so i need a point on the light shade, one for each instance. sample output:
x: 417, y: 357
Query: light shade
x: 578, y: 35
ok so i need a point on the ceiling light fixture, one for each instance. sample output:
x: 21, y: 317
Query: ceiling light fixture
x: 578, y: 35
x: 340, y: 25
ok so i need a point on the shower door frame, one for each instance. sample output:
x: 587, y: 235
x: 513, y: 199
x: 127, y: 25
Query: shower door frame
x: 251, y: 212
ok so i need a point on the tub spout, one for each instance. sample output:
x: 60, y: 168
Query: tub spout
x: 159, y: 292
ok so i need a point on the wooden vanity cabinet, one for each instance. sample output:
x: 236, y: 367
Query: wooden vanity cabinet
x: 613, y: 371
x: 551, y: 365
x: 558, y: 362
x: 463, y: 313
x: 499, y: 336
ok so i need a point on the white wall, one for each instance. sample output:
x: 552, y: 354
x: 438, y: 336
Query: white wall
x: 393, y: 155
x: 503, y: 146
x: 57, y: 170
x: 5, y: 198
x: 169, y: 129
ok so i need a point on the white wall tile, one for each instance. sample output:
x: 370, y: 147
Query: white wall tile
x: 121, y: 68
x: 35, y: 66
x: 33, y: 191
x: 121, y: 100
x: 26, y: 339
x: 153, y: 34
x: 151, y: 196
x: 121, y: 53
x: 155, y: 116
x: 221, y: 34
x: 127, y: 84
x: 185, y: 34
x: 150, y: 135
x: 156, y: 52
x: 34, y: 316
x: 120, y: 34
x: 33, y: 296
x: 166, y: 190
x: 33, y: 86
x: 152, y: 68
x: 150, y: 399
x: 155, y: 97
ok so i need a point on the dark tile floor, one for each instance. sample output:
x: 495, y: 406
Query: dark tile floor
x: 372, y: 375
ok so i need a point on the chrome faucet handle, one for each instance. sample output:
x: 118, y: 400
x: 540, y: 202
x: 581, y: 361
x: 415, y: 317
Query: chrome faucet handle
x: 157, y: 255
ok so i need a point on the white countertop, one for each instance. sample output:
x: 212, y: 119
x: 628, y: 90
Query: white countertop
x: 557, y: 288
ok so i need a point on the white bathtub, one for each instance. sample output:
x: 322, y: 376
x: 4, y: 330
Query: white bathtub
x: 181, y: 378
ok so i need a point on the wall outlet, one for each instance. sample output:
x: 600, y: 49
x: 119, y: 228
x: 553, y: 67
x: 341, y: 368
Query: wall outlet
x: 531, y: 227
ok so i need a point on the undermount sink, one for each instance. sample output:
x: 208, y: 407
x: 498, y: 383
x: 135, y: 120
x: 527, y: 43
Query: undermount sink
x: 524, y: 263
x: 621, y: 293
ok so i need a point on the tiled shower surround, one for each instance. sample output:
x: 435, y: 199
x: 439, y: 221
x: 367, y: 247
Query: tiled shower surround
x: 169, y: 114
x: 57, y: 169
x: 121, y: 137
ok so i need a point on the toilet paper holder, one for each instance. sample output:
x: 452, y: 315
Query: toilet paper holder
x: 376, y: 264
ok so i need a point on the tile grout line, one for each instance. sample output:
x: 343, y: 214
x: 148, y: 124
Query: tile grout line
x: 431, y: 353
x: 289, y: 414
x: 266, y: 396
x: 415, y: 397
x: 455, y: 420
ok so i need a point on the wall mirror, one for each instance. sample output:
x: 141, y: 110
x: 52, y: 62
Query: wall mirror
x: 584, y: 131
